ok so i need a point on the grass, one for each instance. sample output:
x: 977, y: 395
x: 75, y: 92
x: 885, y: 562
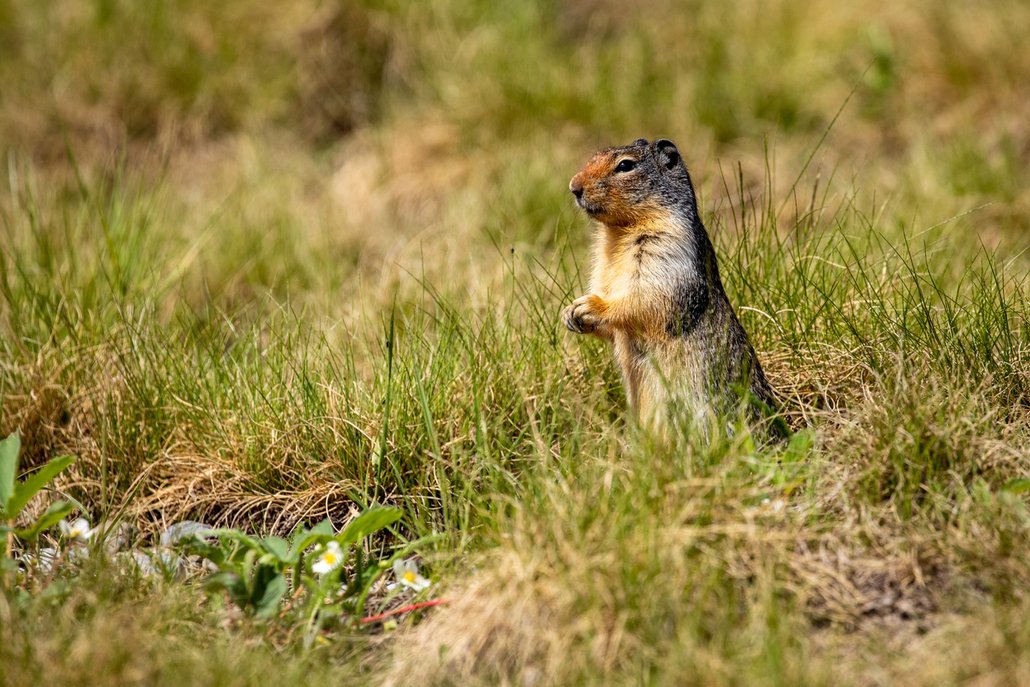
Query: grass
x: 323, y: 270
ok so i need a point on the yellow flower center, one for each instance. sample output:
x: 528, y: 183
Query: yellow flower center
x: 329, y: 557
x: 409, y: 576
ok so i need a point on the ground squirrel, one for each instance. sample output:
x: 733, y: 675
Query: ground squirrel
x: 655, y: 292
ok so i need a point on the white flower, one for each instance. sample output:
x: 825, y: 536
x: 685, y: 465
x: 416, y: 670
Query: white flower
x: 406, y: 572
x: 78, y: 531
x: 329, y: 559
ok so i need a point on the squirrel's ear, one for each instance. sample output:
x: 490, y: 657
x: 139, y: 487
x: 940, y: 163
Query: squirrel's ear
x: 667, y: 154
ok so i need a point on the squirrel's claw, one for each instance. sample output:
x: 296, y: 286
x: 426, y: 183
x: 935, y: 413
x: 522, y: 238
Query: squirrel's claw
x: 580, y: 317
x: 570, y: 321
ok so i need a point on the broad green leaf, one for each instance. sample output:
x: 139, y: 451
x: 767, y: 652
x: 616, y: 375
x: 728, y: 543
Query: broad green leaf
x: 244, y: 541
x: 368, y: 522
x: 52, y: 516
x: 324, y: 527
x: 304, y: 538
x: 271, y: 560
x: 1017, y: 486
x: 269, y: 588
x: 278, y: 547
x: 29, y: 487
x: 230, y: 582
x: 246, y: 568
x: 196, y: 545
x: 9, y: 449
x: 304, y: 542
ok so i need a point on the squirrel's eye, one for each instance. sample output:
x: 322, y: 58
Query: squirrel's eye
x: 626, y: 165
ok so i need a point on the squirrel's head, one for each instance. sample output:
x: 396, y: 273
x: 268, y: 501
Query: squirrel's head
x: 634, y: 184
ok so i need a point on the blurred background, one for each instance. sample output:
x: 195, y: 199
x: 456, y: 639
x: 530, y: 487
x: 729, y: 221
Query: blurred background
x: 406, y: 107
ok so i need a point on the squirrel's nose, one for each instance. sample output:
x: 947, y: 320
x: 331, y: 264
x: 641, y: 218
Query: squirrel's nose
x: 576, y: 186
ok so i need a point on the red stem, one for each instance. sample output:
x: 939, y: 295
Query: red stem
x: 405, y: 609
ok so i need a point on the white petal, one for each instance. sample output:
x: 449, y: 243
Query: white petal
x: 418, y: 584
x: 78, y: 530
x: 401, y: 567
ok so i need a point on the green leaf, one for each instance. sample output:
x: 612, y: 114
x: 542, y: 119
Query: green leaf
x: 278, y: 547
x: 1017, y: 486
x: 231, y: 534
x: 269, y: 588
x: 28, y: 488
x: 368, y: 522
x: 303, y: 538
x: 324, y: 527
x: 52, y: 516
x: 197, y: 545
x: 225, y: 580
x: 9, y: 449
x: 246, y: 566
x: 243, y: 541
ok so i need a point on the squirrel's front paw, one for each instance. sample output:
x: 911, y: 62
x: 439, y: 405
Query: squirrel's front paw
x: 583, y: 316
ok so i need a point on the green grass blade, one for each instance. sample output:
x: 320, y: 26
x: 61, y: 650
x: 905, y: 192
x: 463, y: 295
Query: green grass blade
x: 367, y: 523
x: 9, y: 449
x: 29, y: 487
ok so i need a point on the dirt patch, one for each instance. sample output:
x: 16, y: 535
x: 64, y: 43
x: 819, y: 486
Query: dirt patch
x: 854, y: 591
